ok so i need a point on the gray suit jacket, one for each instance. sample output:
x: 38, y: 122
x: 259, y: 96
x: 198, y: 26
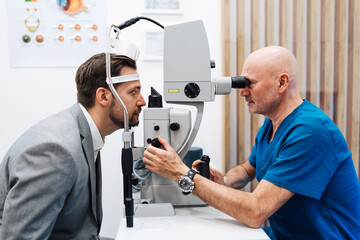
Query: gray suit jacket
x: 48, y: 183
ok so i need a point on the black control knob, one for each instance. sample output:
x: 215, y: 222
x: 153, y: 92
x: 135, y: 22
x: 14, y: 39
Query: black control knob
x: 155, y: 142
x: 174, y: 126
x: 212, y: 63
x: 204, y: 166
x: 156, y: 128
x: 192, y: 90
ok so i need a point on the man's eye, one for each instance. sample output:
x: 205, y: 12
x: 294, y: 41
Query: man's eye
x: 134, y: 92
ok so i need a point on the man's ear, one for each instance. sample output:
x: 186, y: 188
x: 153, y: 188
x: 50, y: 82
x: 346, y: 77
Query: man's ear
x: 103, y: 96
x: 283, y: 82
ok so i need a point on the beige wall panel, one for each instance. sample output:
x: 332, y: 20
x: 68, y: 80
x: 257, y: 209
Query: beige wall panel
x: 283, y: 23
x: 240, y: 100
x: 349, y: 69
x: 353, y: 84
x: 325, y: 58
x: 226, y: 72
x: 255, y: 44
x: 269, y: 22
x: 356, y: 76
x: 298, y: 39
x: 311, y: 51
x: 255, y: 22
x: 339, y: 64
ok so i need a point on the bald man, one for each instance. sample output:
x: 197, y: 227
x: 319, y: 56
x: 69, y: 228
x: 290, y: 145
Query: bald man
x: 308, y: 187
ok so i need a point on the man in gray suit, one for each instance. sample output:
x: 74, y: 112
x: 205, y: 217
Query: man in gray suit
x: 50, y: 179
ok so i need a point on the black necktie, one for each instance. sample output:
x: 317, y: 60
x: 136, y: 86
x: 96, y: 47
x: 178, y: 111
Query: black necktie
x: 99, y: 212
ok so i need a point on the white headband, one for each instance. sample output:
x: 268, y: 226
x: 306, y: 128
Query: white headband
x: 123, y: 78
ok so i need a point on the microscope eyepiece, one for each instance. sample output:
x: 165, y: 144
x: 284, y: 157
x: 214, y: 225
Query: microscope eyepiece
x: 238, y: 82
x: 223, y: 85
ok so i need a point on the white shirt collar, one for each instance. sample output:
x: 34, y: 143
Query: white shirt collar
x: 97, y: 140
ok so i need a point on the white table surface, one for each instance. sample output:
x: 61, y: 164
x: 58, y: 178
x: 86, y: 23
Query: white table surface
x: 189, y: 223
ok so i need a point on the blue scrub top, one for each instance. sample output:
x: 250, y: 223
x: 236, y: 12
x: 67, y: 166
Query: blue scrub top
x: 309, y: 156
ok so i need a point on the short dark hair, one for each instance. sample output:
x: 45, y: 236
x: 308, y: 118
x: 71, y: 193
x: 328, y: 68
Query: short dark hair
x: 92, y: 74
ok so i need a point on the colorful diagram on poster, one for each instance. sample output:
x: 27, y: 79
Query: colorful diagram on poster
x: 55, y: 33
x: 71, y: 7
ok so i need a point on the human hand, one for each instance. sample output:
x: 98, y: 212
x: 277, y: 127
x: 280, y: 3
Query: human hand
x: 165, y: 161
x: 215, y: 175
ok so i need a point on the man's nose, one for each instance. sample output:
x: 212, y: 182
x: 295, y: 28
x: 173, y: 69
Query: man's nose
x: 141, y: 101
x: 244, y: 92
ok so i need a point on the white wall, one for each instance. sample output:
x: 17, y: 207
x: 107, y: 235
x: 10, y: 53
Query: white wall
x: 28, y: 95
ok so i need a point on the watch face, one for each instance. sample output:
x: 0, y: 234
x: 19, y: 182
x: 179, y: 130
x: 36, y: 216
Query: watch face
x: 186, y: 184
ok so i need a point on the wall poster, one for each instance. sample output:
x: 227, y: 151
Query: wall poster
x: 55, y: 33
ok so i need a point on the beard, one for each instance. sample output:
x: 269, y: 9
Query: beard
x: 267, y: 106
x: 117, y: 116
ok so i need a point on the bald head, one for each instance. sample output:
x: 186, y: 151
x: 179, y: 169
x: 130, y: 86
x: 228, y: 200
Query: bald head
x: 274, y: 60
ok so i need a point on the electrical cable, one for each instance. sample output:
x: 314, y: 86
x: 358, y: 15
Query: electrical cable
x: 137, y: 166
x: 134, y: 20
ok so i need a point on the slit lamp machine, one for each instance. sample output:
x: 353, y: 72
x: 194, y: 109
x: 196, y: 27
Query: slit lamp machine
x: 187, y: 81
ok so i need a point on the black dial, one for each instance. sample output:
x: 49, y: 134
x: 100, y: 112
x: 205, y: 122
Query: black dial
x: 174, y: 126
x: 184, y: 185
x: 192, y: 90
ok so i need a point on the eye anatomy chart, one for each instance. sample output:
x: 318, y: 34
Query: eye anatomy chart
x: 55, y: 33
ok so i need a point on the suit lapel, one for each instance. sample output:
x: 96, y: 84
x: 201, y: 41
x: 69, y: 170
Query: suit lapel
x: 88, y: 149
x: 89, y: 152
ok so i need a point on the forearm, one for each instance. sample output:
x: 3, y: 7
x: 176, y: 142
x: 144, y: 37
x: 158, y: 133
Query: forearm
x: 237, y: 177
x: 241, y: 205
x: 250, y: 208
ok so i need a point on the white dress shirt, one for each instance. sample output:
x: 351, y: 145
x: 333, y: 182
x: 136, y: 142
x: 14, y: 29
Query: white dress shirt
x: 97, y: 140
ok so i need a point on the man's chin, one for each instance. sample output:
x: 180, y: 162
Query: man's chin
x: 134, y: 123
x: 134, y: 120
x: 252, y: 111
x: 131, y: 124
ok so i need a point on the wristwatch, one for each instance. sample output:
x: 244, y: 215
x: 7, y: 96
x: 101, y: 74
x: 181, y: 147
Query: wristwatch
x: 186, y: 183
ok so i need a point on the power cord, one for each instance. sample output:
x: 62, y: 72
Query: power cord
x: 139, y: 165
x: 134, y: 20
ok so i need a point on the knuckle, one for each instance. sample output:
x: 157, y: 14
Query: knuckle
x: 162, y: 155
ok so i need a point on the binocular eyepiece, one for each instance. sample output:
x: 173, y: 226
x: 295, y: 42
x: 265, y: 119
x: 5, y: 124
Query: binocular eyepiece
x: 225, y: 84
x: 238, y: 82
